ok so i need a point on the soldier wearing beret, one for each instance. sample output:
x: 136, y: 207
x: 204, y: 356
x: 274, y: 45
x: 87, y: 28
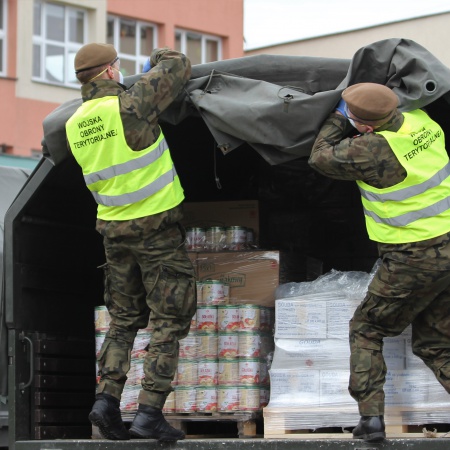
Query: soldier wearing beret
x: 402, y: 169
x: 149, y: 279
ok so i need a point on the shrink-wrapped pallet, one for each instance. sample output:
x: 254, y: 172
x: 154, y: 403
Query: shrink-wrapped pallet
x: 309, y: 374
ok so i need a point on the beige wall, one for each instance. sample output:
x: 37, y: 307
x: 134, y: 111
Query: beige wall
x: 432, y: 32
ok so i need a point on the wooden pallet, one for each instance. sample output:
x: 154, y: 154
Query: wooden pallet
x: 242, y: 424
x: 392, y: 432
x: 279, y: 424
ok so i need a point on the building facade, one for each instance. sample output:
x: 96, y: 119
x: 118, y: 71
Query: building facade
x: 39, y: 40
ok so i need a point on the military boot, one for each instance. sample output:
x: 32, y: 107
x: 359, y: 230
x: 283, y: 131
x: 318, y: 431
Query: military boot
x: 370, y: 429
x: 106, y: 416
x: 150, y: 423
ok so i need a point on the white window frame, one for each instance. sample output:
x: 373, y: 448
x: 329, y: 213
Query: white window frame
x: 70, y: 48
x: 3, y: 37
x: 204, y: 38
x: 139, y: 57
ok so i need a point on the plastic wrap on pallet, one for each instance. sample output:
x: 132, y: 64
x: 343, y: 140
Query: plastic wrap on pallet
x: 309, y: 373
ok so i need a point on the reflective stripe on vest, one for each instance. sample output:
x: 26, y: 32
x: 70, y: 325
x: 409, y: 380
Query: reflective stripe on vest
x: 418, y: 208
x: 126, y: 184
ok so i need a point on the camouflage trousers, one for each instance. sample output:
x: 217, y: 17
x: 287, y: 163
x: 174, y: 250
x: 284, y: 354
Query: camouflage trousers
x: 149, y: 283
x: 399, y: 295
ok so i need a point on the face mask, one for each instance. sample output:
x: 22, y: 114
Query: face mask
x: 120, y: 75
x: 352, y: 122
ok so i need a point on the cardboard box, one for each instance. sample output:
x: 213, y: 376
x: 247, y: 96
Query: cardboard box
x: 252, y: 276
x: 243, y: 213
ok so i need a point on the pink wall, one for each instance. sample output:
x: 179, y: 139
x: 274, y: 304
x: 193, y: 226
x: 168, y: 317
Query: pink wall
x: 224, y: 18
x: 21, y: 119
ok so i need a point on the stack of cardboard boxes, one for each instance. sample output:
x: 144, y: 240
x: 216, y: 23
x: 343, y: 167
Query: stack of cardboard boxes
x: 310, y: 368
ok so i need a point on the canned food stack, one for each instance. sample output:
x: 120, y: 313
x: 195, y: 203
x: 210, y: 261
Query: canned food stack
x: 229, y: 371
x: 217, y: 239
x: 136, y: 373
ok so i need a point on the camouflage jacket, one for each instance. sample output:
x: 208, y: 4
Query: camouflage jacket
x: 142, y: 104
x: 338, y: 154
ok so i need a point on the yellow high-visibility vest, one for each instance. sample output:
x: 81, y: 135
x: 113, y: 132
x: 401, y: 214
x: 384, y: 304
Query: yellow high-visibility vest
x: 126, y: 184
x: 418, y: 208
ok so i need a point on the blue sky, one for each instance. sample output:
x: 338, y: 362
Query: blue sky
x: 268, y: 22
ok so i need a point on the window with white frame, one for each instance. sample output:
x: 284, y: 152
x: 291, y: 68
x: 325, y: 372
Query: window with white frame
x: 58, y: 32
x: 200, y: 48
x: 134, y: 42
x: 3, y: 21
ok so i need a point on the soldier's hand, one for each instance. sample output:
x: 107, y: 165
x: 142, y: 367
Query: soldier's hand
x: 147, y: 66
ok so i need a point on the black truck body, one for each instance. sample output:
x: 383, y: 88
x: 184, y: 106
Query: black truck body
x: 52, y: 252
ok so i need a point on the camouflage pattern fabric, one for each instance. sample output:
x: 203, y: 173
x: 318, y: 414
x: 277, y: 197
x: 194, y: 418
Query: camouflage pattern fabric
x: 142, y: 104
x: 399, y: 295
x: 149, y: 279
x: 412, y: 285
x: 148, y: 274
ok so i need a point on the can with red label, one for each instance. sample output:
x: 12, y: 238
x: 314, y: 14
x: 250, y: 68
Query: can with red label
x: 185, y: 399
x: 214, y: 292
x: 188, y: 346
x: 206, y: 398
x: 195, y: 239
x: 207, y: 345
x: 249, y: 344
x: 227, y: 398
x: 187, y: 372
x: 236, y: 238
x: 249, y: 398
x: 207, y: 372
x: 228, y: 319
x: 207, y: 318
x: 228, y: 345
x: 228, y: 371
x: 249, y: 371
x: 215, y: 239
x: 249, y: 317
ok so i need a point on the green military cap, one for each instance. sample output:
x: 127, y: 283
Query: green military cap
x: 94, y: 55
x: 370, y: 101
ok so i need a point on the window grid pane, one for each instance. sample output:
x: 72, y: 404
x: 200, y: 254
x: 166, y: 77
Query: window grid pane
x: 37, y: 18
x: 54, y: 63
x: 199, y: 48
x: 147, y: 41
x: 212, y: 51
x: 76, y: 29
x: 127, y: 43
x: 194, y: 48
x: 56, y: 41
x: 55, y: 22
x: 134, y: 42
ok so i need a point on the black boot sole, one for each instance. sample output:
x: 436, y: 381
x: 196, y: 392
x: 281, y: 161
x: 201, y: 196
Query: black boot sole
x: 106, y: 429
x: 144, y: 434
x: 372, y: 437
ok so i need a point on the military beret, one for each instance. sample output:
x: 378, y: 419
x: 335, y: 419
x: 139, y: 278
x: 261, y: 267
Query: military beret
x: 94, y: 55
x: 370, y: 101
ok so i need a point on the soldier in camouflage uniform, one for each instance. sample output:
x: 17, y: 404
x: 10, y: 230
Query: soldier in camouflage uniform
x: 149, y: 278
x: 405, y: 195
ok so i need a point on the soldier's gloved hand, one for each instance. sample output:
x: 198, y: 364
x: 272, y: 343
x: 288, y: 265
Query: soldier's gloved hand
x: 340, y: 107
x: 147, y: 66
